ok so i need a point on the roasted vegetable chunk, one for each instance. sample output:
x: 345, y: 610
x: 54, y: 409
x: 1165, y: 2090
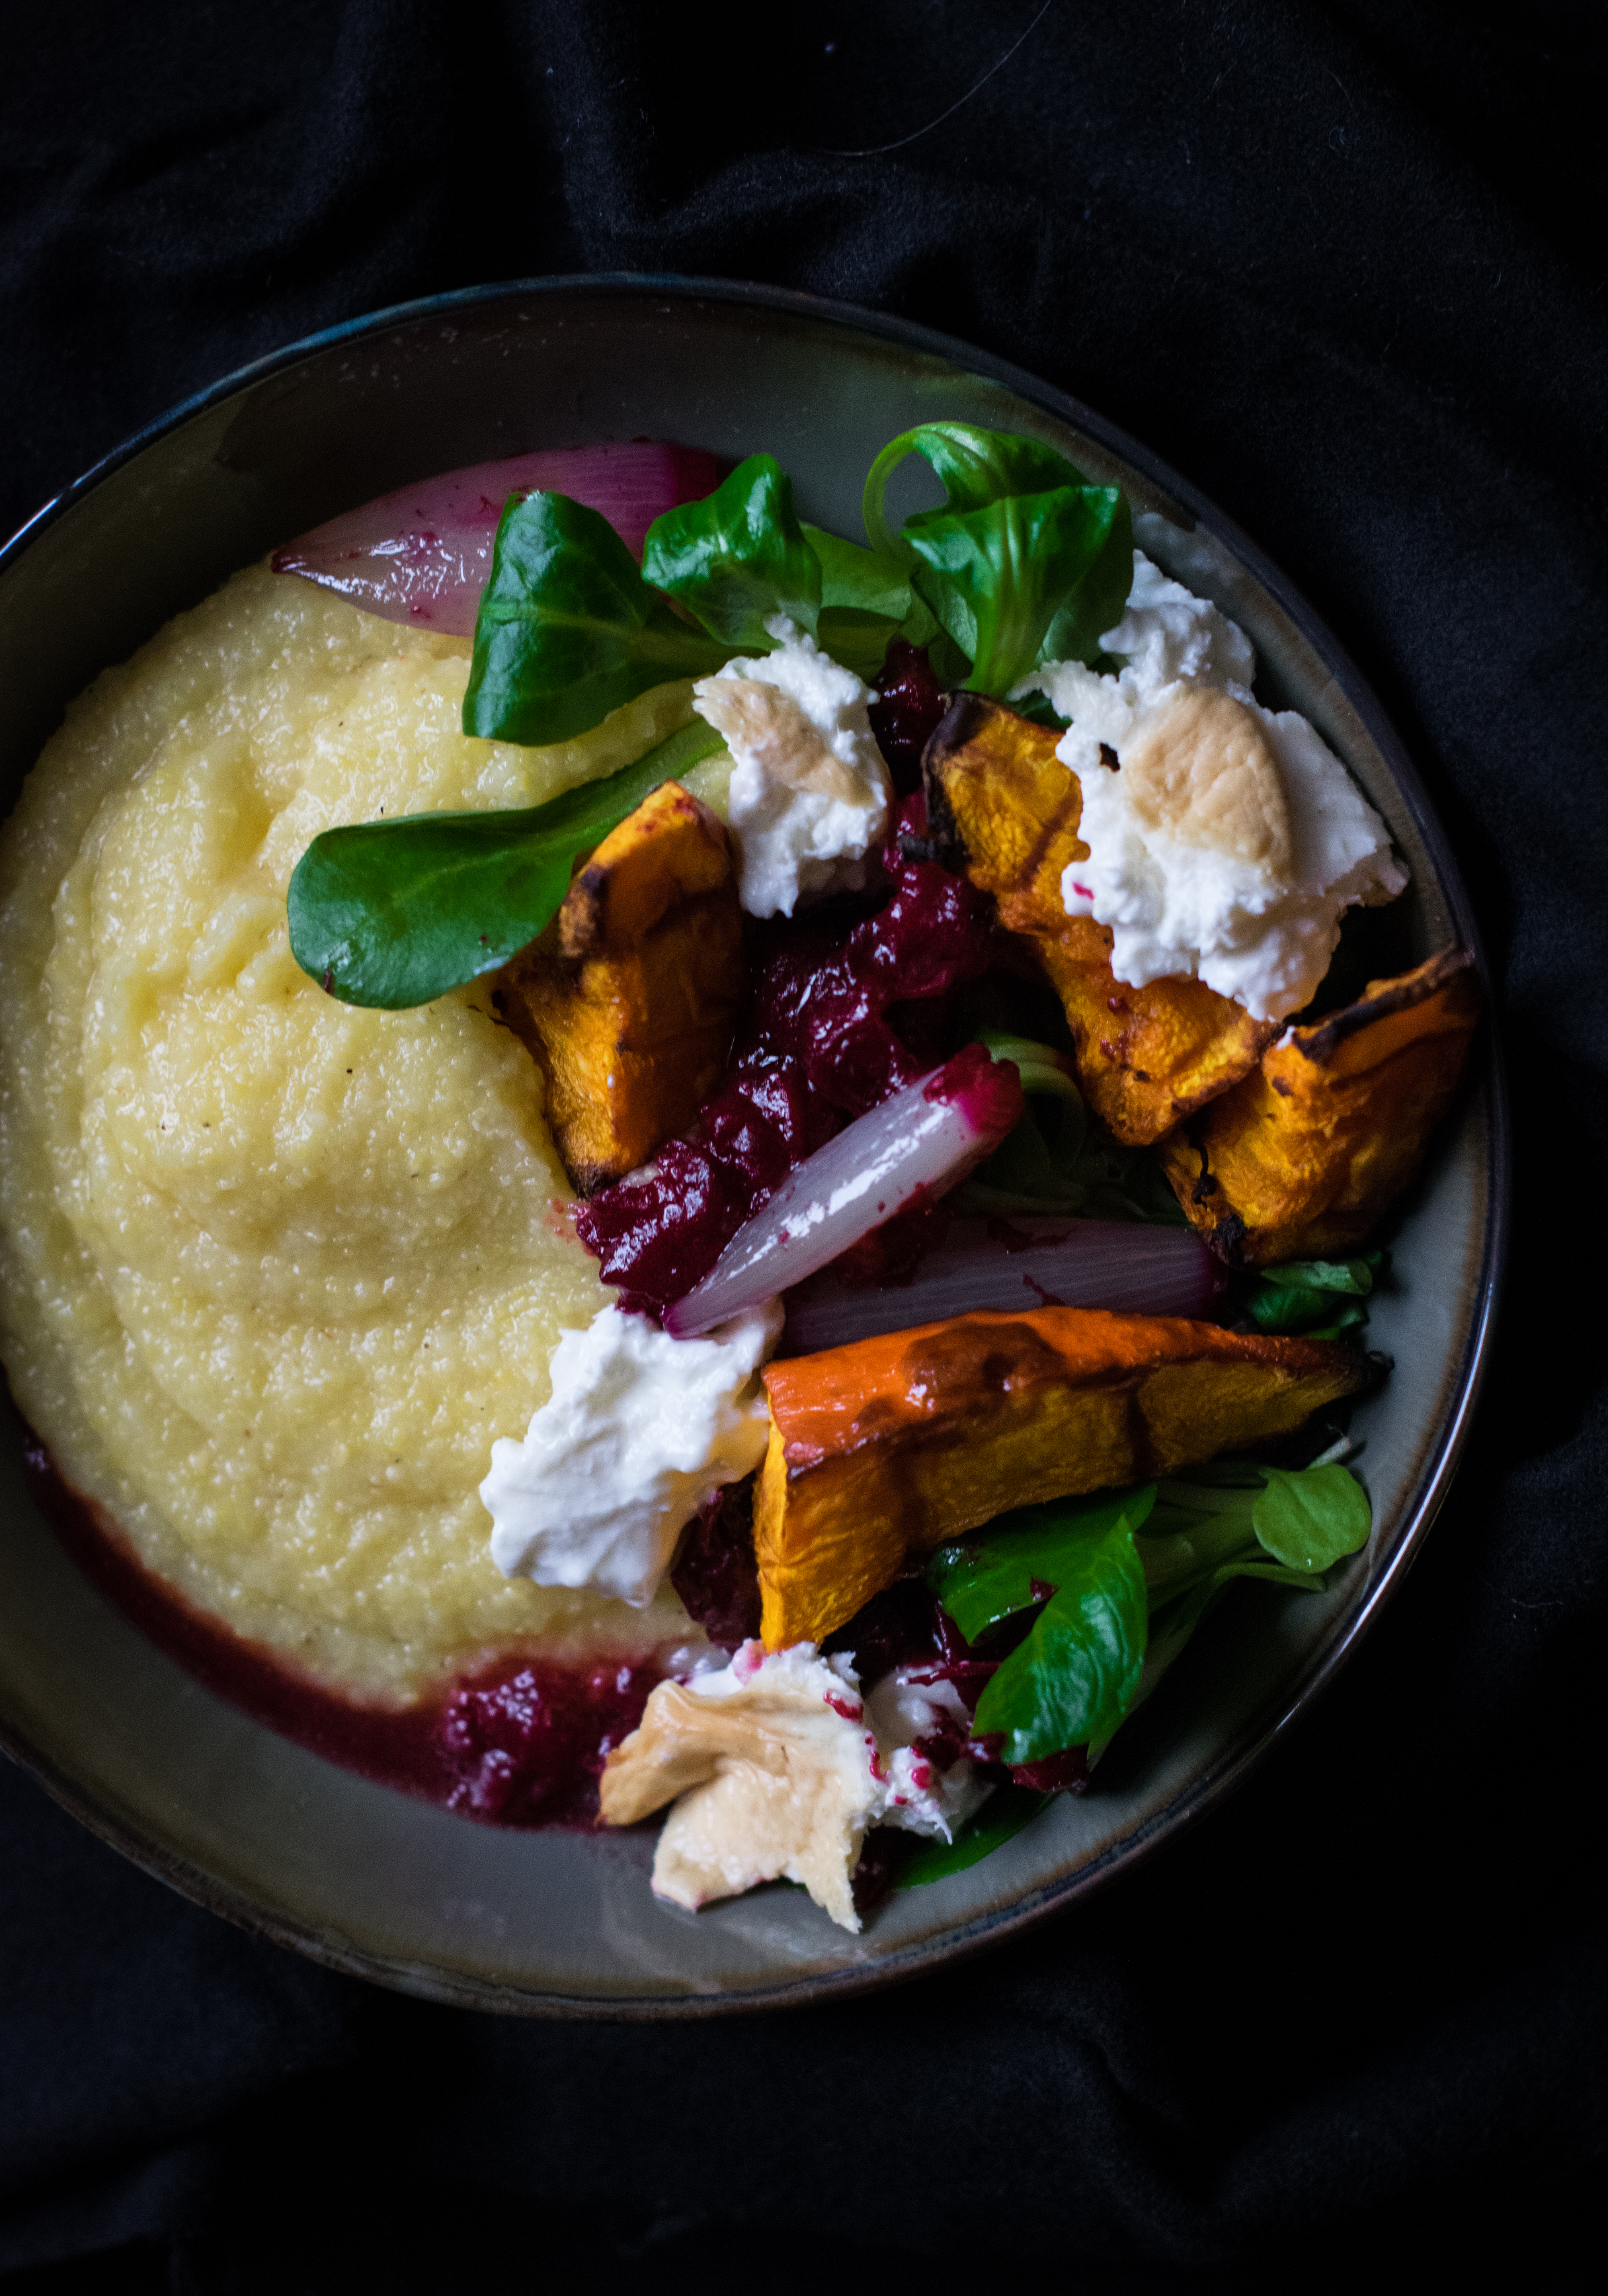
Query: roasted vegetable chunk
x: 1301, y: 1159
x: 881, y: 1450
x: 1002, y: 806
x: 627, y: 1000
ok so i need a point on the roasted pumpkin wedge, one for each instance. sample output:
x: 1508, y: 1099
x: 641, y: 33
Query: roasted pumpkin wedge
x: 627, y: 1000
x: 1301, y: 1158
x: 1003, y: 808
x: 881, y: 1450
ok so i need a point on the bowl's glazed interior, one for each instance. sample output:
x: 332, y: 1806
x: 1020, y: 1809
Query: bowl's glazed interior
x: 362, y: 1876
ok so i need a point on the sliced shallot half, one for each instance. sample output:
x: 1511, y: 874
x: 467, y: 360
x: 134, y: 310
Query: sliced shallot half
x: 422, y: 555
x: 1016, y: 1263
x: 917, y: 1146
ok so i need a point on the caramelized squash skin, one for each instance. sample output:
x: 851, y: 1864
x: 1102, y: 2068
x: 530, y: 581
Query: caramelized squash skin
x: 881, y: 1450
x: 1303, y: 1159
x: 628, y: 998
x: 1003, y: 808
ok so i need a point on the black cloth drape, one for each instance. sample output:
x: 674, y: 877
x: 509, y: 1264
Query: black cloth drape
x: 1343, y: 265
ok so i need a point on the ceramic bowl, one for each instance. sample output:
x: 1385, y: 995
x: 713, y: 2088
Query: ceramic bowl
x: 363, y: 1877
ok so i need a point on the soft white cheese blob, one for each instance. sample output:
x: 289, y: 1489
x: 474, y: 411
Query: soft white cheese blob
x: 809, y: 792
x: 1259, y: 928
x: 639, y: 1431
x: 800, y: 1769
x: 906, y: 1711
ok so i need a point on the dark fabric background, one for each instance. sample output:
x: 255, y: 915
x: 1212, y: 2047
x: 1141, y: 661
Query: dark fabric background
x: 1343, y: 265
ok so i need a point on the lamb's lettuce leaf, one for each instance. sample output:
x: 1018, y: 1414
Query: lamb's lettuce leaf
x: 1122, y: 1579
x: 977, y: 467
x: 1052, y: 1162
x: 857, y: 580
x: 1024, y: 563
x: 738, y: 558
x: 1017, y: 1560
x: 394, y: 913
x: 1072, y: 1678
x: 1320, y: 1296
x: 568, y: 630
x: 1007, y: 580
x: 1004, y: 1815
x: 1308, y: 1522
x: 867, y: 601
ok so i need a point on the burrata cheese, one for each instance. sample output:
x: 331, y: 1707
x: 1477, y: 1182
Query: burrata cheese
x: 1224, y: 840
x: 639, y: 1431
x: 809, y: 792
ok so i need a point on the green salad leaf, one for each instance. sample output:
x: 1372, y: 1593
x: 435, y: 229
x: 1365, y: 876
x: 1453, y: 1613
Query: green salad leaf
x: 1004, y: 1815
x: 977, y: 467
x: 1008, y: 1567
x: 738, y: 557
x: 1002, y: 580
x: 1051, y: 1163
x: 394, y: 913
x: 857, y: 580
x: 1121, y: 1580
x: 866, y: 601
x: 1024, y: 563
x: 1073, y: 1677
x: 568, y: 630
x: 1320, y: 1296
x: 1309, y: 1521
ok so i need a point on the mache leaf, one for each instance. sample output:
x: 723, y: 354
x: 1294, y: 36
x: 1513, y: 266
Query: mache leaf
x: 1074, y: 1678
x: 1310, y: 1519
x: 1307, y: 1295
x: 865, y: 601
x: 1007, y: 1568
x: 1003, y: 1815
x: 977, y: 467
x: 738, y: 558
x: 999, y: 578
x: 395, y: 913
x: 568, y: 630
x: 864, y: 581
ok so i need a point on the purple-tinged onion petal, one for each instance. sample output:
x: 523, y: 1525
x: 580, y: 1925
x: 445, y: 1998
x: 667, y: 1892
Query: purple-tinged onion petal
x: 918, y: 1144
x: 1019, y: 1263
x: 420, y: 555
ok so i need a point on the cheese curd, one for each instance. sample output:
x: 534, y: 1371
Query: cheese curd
x: 809, y: 792
x: 275, y: 1271
x: 1230, y: 839
x: 777, y: 1769
x: 638, y: 1431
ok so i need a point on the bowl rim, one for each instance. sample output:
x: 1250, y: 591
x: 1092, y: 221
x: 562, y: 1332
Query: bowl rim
x: 1301, y: 1692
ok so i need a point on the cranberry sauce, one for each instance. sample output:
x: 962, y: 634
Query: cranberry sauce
x: 716, y: 1574
x: 517, y: 1741
x: 909, y: 704
x: 816, y: 1047
x: 526, y: 1741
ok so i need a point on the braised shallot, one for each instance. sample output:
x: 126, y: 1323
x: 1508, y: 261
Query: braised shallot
x: 1017, y: 1263
x: 915, y: 1146
x: 420, y: 555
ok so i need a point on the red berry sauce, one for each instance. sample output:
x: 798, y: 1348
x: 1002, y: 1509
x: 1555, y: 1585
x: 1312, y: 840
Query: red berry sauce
x: 818, y: 1045
x: 909, y: 704
x: 519, y: 1740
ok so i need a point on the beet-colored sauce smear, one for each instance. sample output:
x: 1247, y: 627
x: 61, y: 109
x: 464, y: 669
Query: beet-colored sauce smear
x: 815, y: 1050
x: 910, y: 703
x: 518, y: 1742
x: 715, y: 1573
x: 526, y: 1746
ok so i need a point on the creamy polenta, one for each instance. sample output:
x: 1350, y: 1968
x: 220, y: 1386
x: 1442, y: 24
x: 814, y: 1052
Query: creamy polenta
x: 277, y: 1271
